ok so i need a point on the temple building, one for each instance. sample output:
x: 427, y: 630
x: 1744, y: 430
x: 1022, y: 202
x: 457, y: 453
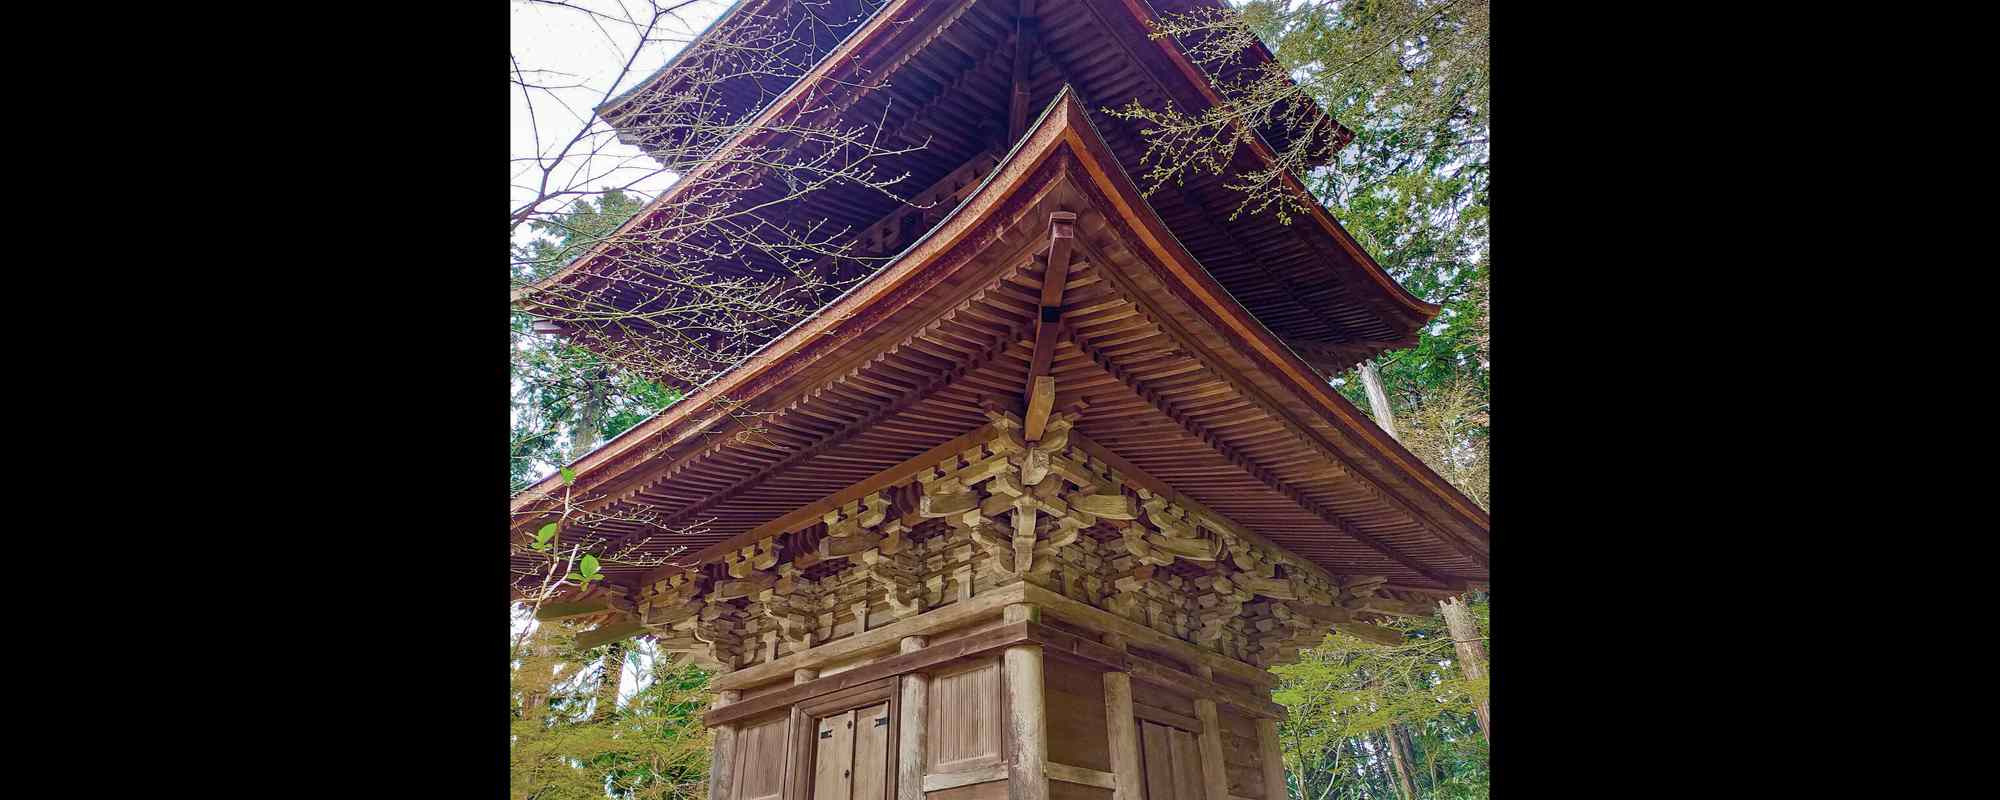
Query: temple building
x: 1030, y: 509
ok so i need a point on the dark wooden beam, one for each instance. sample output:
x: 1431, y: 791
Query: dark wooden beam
x: 1027, y: 38
x: 609, y: 632
x: 1041, y: 388
x: 565, y: 610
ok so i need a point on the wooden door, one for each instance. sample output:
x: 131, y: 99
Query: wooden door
x: 1171, y: 758
x: 851, y: 755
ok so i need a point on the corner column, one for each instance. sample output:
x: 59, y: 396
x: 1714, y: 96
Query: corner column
x: 722, y: 762
x: 1273, y: 757
x: 1028, y: 741
x: 912, y: 727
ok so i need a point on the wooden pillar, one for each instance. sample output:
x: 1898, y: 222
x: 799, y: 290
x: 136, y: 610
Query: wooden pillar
x: 1028, y: 741
x: 912, y: 738
x: 1123, y: 729
x: 1273, y: 756
x: 722, y: 761
x: 1214, y: 780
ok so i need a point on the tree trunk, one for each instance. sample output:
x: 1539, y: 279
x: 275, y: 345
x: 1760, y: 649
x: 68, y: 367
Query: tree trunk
x: 1378, y: 399
x: 1471, y: 657
x: 590, y: 418
x: 1399, y: 758
x: 607, y: 691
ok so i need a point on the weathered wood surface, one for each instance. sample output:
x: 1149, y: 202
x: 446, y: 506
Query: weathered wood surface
x: 914, y: 734
x: 1028, y: 744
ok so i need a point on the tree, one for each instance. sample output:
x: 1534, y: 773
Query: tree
x: 650, y: 747
x: 566, y: 398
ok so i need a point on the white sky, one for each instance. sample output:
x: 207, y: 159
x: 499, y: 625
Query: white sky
x: 589, y: 53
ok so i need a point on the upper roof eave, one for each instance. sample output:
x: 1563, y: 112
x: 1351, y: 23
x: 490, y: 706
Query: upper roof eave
x: 1063, y: 124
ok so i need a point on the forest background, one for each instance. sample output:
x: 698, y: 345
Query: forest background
x: 1410, y: 77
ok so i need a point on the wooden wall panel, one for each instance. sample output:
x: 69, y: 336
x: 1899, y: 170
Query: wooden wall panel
x: 965, y: 717
x: 1062, y: 790
x: 760, y: 760
x: 1242, y: 754
x: 1075, y: 703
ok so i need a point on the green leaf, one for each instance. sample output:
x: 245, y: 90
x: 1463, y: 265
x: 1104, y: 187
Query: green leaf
x: 574, y: 577
x: 547, y: 532
x: 568, y: 476
x: 589, y: 564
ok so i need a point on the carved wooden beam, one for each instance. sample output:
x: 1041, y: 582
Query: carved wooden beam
x: 1055, y: 275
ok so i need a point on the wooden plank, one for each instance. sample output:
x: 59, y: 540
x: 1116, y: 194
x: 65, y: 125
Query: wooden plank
x: 1159, y: 757
x: 610, y: 632
x: 833, y: 758
x: 1187, y: 765
x: 554, y: 610
x: 1074, y: 699
x: 938, y: 781
x: 882, y: 638
x: 1165, y: 717
x: 760, y: 760
x: 871, y: 753
x: 1198, y: 689
x: 929, y: 656
x: 1082, y: 775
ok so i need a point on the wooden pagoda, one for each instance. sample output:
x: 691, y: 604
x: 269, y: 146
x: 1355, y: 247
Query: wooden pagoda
x: 1033, y: 508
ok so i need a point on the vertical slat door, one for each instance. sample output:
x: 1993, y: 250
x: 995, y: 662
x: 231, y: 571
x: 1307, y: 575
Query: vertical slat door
x: 1172, y: 762
x: 833, y: 757
x: 871, y: 753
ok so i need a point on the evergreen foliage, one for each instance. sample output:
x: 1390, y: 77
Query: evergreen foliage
x: 652, y: 746
x: 564, y: 393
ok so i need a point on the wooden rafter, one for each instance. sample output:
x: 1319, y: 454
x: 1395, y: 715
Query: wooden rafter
x: 1264, y: 476
x: 915, y: 395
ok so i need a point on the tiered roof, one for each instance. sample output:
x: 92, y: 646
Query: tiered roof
x: 1179, y: 386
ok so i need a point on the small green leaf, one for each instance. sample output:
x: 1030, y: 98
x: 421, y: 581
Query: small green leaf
x: 546, y: 533
x: 589, y: 564
x: 573, y: 577
x: 568, y: 476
